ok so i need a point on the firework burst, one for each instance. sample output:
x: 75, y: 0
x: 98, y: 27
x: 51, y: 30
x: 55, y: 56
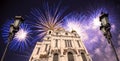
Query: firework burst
x: 88, y: 29
x: 21, y: 41
x: 75, y: 22
x: 47, y: 18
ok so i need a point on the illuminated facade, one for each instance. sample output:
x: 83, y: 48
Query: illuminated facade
x: 60, y: 45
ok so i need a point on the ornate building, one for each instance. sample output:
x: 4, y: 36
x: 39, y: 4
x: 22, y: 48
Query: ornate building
x: 60, y: 45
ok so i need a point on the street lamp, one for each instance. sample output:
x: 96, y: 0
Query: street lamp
x: 11, y: 28
x: 105, y: 28
x: 14, y: 28
x: 104, y: 19
x: 17, y: 22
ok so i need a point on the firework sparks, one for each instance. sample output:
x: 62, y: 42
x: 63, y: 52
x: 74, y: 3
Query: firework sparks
x: 88, y: 29
x: 48, y: 18
x: 75, y: 23
x: 21, y: 39
x: 21, y: 35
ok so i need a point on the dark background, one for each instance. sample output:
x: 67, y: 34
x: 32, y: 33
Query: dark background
x: 11, y: 8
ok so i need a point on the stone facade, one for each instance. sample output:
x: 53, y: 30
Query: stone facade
x: 60, y: 45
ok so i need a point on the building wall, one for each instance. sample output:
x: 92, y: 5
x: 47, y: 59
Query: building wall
x: 60, y: 42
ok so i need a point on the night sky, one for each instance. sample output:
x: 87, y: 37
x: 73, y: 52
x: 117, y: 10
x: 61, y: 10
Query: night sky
x: 9, y: 9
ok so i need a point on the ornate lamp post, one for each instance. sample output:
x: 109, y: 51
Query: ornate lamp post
x: 105, y: 28
x: 14, y: 28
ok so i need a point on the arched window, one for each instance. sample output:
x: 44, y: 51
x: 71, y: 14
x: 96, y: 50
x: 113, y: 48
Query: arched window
x: 70, y: 56
x: 55, y: 57
x: 49, y: 32
x: 83, y: 56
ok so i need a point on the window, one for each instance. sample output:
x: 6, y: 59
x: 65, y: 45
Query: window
x: 49, y: 32
x: 78, y: 43
x: 75, y: 34
x: 31, y: 58
x: 66, y: 33
x: 83, y: 56
x: 65, y: 43
x: 56, y: 33
x: 55, y: 57
x: 56, y: 43
x: 70, y: 56
x: 48, y: 38
x: 38, y: 50
x: 68, y: 43
x: 46, y: 47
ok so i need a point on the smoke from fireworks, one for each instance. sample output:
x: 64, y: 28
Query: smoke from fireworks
x: 88, y: 29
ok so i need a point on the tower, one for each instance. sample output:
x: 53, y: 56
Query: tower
x: 60, y: 45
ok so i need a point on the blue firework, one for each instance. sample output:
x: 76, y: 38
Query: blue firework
x: 22, y: 38
x: 88, y: 29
